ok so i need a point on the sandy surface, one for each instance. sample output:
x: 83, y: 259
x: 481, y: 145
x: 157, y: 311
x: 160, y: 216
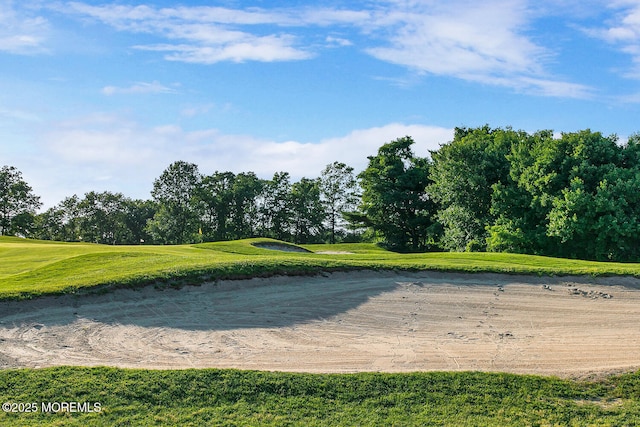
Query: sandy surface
x: 342, y: 322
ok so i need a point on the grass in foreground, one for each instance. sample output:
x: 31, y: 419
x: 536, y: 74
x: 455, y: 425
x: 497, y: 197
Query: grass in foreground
x: 29, y: 268
x: 230, y: 397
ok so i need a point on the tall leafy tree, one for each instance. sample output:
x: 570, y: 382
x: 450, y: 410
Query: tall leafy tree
x: 338, y: 191
x: 595, y: 213
x: 394, y: 201
x: 136, y: 216
x: 275, y: 208
x: 215, y: 194
x: 18, y: 203
x: 176, y: 220
x: 520, y: 214
x: 573, y: 196
x: 463, y: 174
x: 307, y: 211
x: 111, y: 218
x: 244, y: 207
x: 102, y: 218
x: 60, y: 222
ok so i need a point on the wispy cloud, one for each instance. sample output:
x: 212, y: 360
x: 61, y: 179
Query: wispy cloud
x: 17, y: 114
x: 484, y: 42
x: 199, y: 34
x: 246, y: 48
x: 138, y: 88
x: 623, y: 31
x: 333, y: 41
x: 461, y: 38
x: 21, y: 33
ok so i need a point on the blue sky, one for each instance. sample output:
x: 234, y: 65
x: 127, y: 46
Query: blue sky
x: 99, y: 95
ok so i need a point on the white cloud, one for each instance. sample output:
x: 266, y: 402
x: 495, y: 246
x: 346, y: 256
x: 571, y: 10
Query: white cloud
x: 537, y: 86
x: 484, y: 42
x: 202, y: 34
x: 138, y: 88
x: 21, y: 33
x: 623, y: 31
x: 463, y: 37
x: 337, y: 41
x: 264, y: 49
x: 78, y: 155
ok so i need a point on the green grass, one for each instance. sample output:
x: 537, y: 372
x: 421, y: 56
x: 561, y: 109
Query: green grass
x: 246, y: 398
x: 239, y: 398
x: 30, y: 268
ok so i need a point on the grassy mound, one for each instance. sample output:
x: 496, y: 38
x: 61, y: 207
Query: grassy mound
x: 30, y: 268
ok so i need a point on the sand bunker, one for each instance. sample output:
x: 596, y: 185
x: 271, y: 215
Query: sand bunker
x: 343, y: 322
x: 280, y: 247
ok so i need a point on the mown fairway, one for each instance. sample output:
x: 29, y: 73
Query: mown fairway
x: 30, y: 268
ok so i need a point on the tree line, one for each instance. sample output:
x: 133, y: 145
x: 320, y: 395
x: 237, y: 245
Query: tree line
x: 576, y: 195
x: 188, y: 206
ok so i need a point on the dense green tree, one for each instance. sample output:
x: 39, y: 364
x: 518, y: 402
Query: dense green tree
x: 102, y: 218
x: 394, y: 201
x: 247, y: 187
x: 463, y: 173
x: 108, y: 218
x: 176, y: 220
x: 307, y: 211
x: 601, y: 223
x: 215, y: 196
x: 60, y: 222
x: 275, y: 209
x: 18, y: 203
x: 136, y: 216
x: 573, y: 196
x: 520, y: 215
x: 338, y: 191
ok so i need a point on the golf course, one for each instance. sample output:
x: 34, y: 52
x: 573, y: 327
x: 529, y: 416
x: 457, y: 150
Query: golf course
x: 263, y: 332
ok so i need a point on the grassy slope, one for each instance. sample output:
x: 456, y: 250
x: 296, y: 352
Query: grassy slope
x: 33, y: 267
x: 229, y: 397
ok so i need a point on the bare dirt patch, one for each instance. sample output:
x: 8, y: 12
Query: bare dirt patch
x: 342, y: 322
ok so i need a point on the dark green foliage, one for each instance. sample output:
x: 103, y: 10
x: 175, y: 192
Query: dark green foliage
x: 105, y: 218
x: 596, y: 215
x: 229, y: 397
x: 215, y: 196
x: 307, y: 212
x: 244, y: 208
x: 463, y: 174
x: 176, y: 220
x: 394, y: 199
x: 574, y: 196
x: 275, y: 209
x: 338, y: 190
x: 18, y: 204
